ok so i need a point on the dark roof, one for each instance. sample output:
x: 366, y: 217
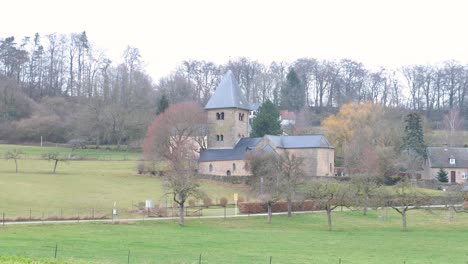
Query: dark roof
x: 305, y: 141
x: 228, y: 95
x: 439, y: 157
x: 237, y: 153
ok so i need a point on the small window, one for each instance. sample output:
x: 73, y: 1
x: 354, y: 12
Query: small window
x: 217, y: 137
x: 222, y: 115
x: 331, y: 167
x: 218, y: 116
x: 211, y: 168
x: 228, y: 173
x: 233, y: 167
x: 222, y: 137
x: 241, y: 117
x: 452, y: 161
x: 464, y: 175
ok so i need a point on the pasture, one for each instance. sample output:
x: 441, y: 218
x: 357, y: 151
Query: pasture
x: 80, y: 186
x: 432, y: 238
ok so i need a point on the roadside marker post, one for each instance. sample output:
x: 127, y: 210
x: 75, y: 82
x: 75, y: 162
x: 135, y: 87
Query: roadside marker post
x: 235, y: 200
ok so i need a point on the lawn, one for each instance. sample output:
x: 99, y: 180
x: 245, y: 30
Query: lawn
x: 80, y: 186
x: 432, y: 238
x: 104, y: 153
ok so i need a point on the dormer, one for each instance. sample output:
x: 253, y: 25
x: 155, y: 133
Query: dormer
x: 452, y: 160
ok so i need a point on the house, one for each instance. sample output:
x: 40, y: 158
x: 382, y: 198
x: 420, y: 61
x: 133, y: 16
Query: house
x: 228, y: 140
x: 453, y: 160
x: 287, y: 118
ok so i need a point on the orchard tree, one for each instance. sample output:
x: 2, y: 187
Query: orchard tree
x: 266, y: 179
x: 330, y: 195
x: 172, y: 138
x: 14, y: 154
x: 267, y: 121
x: 291, y: 170
x: 55, y: 157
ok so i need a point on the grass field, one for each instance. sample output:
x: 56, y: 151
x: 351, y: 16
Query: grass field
x: 432, y: 238
x: 80, y: 186
x: 34, y: 152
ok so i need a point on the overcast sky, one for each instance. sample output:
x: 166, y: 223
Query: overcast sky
x: 378, y: 33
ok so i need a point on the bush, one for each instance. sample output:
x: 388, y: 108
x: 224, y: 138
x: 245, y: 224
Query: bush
x: 240, y: 199
x: 223, y: 201
x: 141, y: 168
x: 207, y: 201
x: 280, y: 206
x: 191, y: 202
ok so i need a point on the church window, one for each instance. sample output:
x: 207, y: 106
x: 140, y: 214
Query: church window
x: 217, y: 137
x: 211, y: 168
x: 241, y: 117
x: 222, y: 115
x: 218, y: 116
x: 222, y: 137
x: 233, y: 167
x: 228, y: 173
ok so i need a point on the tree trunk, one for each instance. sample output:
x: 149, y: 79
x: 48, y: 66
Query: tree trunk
x: 364, y: 210
x: 181, y: 214
x: 55, y: 165
x: 289, y: 207
x: 269, y: 212
x: 403, y: 218
x: 16, y: 165
x: 329, y: 219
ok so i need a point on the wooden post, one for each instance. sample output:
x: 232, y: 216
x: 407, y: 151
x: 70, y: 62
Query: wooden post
x: 56, y: 246
x: 3, y: 221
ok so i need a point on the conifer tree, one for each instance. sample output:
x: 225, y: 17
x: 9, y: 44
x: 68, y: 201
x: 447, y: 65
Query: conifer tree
x: 163, y: 103
x: 267, y: 121
x: 293, y: 92
x: 442, y: 175
x: 413, y: 140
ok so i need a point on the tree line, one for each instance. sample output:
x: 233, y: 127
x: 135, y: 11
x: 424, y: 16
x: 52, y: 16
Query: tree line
x: 63, y: 87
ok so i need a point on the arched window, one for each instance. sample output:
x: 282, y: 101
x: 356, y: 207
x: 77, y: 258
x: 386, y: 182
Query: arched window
x: 218, y: 116
x: 222, y: 115
x: 217, y: 137
x: 233, y: 167
x: 228, y: 173
x: 222, y: 137
x: 211, y: 168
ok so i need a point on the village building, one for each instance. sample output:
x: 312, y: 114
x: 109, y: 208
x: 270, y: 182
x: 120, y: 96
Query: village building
x: 228, y: 140
x: 453, y: 160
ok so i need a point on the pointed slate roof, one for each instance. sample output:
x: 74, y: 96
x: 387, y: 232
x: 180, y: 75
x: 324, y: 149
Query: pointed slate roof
x: 228, y: 95
x: 304, y: 141
x: 439, y: 157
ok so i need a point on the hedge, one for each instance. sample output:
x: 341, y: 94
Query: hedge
x: 280, y: 206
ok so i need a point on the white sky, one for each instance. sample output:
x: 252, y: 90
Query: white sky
x: 389, y: 33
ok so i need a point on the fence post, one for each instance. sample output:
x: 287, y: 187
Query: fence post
x: 270, y: 259
x: 128, y: 257
x: 93, y: 213
x: 3, y: 221
x: 56, y: 247
x: 30, y: 214
x: 199, y: 259
x: 339, y: 260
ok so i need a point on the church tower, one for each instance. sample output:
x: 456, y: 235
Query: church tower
x: 228, y: 114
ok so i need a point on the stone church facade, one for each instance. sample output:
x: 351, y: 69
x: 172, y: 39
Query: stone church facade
x: 229, y: 142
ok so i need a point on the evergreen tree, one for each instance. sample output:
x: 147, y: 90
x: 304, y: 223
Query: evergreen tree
x: 267, y: 121
x: 163, y: 103
x: 293, y: 93
x: 442, y: 175
x: 413, y: 140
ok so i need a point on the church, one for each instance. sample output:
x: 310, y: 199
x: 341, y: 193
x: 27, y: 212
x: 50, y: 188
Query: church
x: 228, y: 140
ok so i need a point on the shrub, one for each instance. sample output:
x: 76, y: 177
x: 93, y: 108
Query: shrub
x: 223, y: 201
x: 191, y: 202
x: 240, y: 199
x: 207, y: 201
x: 141, y: 168
x: 280, y: 206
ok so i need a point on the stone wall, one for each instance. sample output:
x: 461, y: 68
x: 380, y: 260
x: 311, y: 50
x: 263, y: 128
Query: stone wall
x: 230, y: 127
x: 431, y: 173
x: 220, y: 168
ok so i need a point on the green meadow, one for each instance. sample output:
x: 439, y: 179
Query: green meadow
x: 433, y: 237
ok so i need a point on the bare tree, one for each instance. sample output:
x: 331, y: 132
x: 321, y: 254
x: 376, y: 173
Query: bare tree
x: 291, y: 170
x: 452, y: 125
x: 171, y: 138
x: 14, y: 154
x: 54, y: 156
x: 330, y: 195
